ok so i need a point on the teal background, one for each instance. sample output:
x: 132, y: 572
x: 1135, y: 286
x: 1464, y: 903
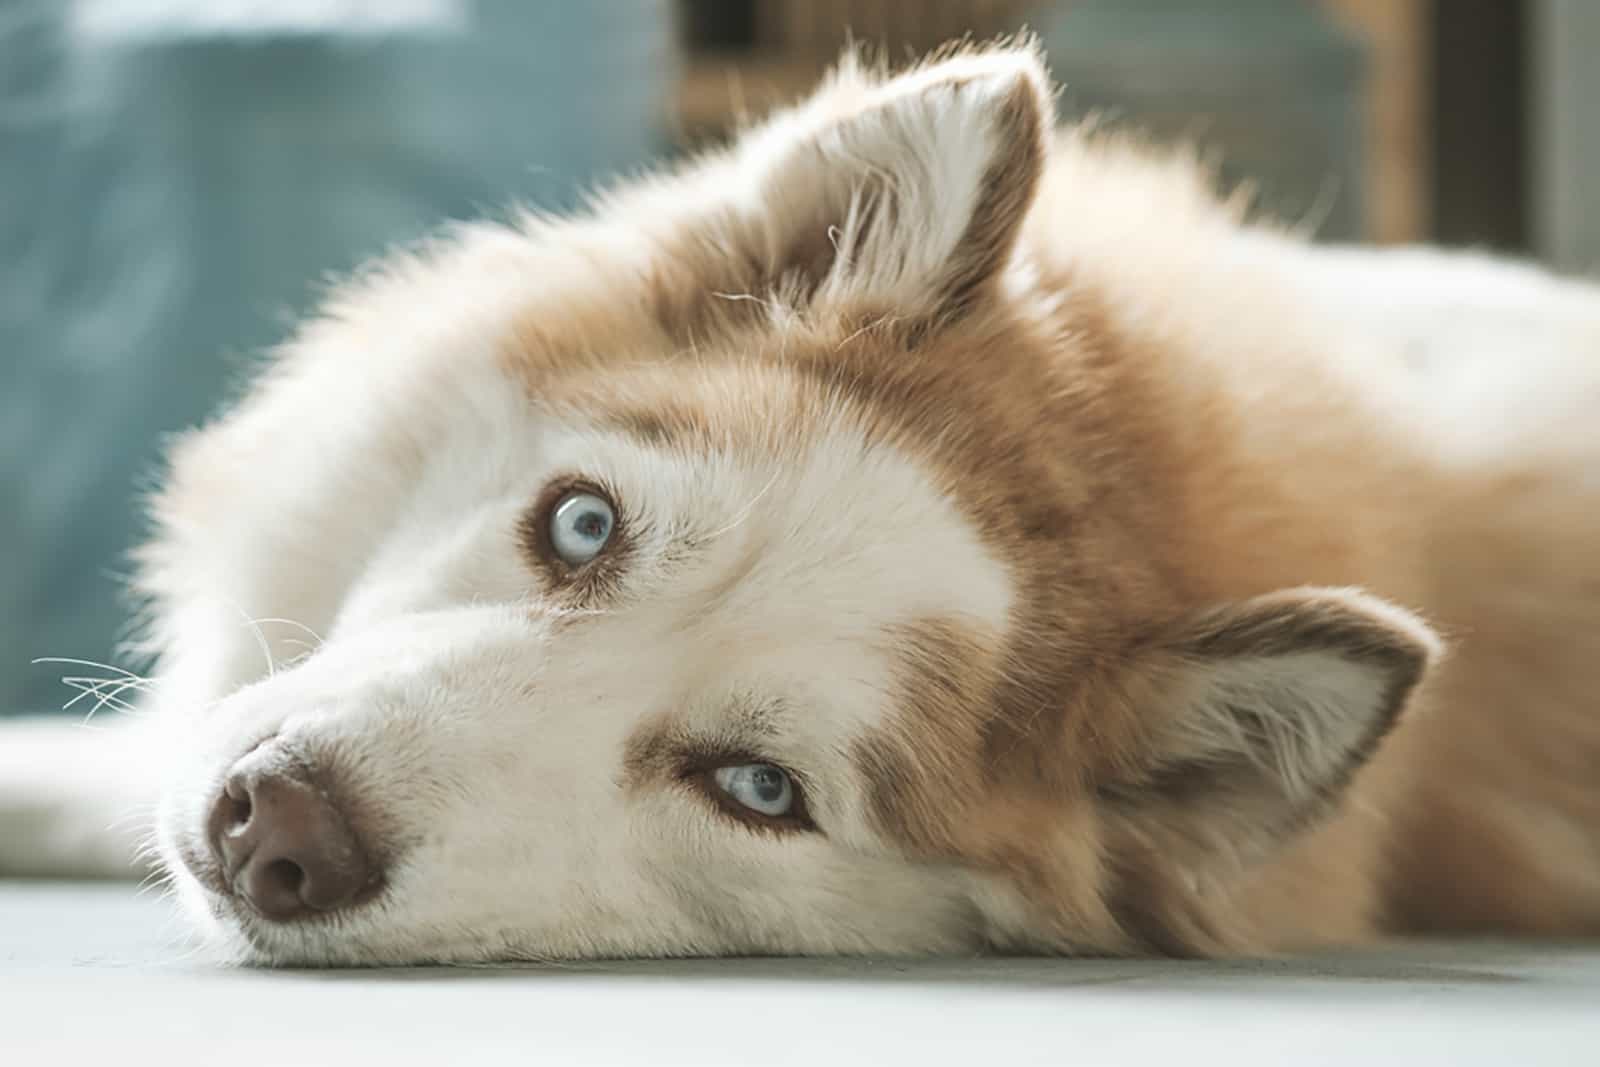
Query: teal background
x: 172, y: 195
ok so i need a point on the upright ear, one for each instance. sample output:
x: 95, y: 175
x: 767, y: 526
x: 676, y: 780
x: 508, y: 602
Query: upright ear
x: 1255, y: 717
x: 906, y: 193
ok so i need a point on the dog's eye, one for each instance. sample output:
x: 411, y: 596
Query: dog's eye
x: 761, y: 787
x: 580, y: 526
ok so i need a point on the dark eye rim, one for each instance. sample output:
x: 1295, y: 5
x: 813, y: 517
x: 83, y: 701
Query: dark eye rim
x: 534, y: 530
x: 700, y: 775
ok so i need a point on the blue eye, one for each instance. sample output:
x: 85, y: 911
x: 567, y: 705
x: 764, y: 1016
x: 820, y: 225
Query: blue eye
x: 761, y: 787
x: 580, y: 527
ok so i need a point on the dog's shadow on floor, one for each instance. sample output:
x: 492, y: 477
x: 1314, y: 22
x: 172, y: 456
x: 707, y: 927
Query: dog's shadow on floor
x: 1454, y: 964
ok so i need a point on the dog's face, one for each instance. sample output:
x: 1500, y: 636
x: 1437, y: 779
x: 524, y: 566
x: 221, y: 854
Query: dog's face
x: 599, y: 693
x: 755, y: 567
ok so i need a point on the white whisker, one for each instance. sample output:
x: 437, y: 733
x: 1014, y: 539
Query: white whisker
x: 297, y: 625
x: 92, y: 663
x: 261, y: 638
x: 107, y: 691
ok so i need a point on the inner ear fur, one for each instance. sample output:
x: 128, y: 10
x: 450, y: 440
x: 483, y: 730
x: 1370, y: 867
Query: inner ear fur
x: 1250, y: 722
x: 1254, y: 717
x: 902, y: 195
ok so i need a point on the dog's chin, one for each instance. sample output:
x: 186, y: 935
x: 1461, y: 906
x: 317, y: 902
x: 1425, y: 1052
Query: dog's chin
x: 230, y: 930
x: 234, y: 934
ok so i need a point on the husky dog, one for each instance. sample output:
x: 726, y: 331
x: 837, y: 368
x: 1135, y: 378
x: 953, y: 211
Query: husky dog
x: 911, y: 529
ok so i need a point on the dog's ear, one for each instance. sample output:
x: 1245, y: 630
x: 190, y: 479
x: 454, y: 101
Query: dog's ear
x: 1253, y: 720
x: 905, y: 194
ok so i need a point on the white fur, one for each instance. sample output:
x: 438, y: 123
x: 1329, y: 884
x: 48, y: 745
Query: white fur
x: 491, y: 737
x: 1494, y: 358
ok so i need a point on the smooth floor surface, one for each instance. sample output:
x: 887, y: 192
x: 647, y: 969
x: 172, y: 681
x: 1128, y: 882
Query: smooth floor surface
x: 98, y: 974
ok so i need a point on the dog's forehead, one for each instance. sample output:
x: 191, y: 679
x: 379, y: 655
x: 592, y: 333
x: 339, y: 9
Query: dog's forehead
x: 790, y: 548
x: 811, y: 507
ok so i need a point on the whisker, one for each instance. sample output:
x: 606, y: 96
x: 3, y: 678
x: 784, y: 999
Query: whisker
x: 107, y: 693
x: 299, y: 626
x: 139, y: 813
x: 139, y: 685
x: 99, y: 703
x: 92, y: 663
x: 154, y: 881
x: 260, y: 636
x: 107, y: 690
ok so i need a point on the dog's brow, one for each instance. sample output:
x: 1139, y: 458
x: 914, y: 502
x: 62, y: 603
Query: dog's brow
x: 664, y: 744
x: 661, y: 428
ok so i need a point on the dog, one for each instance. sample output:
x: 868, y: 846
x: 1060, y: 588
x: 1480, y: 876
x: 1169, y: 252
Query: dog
x: 912, y: 529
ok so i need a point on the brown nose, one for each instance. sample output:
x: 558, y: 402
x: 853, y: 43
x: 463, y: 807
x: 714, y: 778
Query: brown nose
x: 284, y: 845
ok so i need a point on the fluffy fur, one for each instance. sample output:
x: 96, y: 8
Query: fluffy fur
x: 1087, y: 553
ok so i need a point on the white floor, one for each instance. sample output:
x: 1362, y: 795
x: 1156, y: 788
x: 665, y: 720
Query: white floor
x: 94, y: 971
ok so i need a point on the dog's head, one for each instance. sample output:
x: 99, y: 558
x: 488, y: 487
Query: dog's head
x: 781, y: 559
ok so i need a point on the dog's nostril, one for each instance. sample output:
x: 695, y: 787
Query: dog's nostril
x: 237, y: 791
x: 234, y: 808
x: 286, y: 876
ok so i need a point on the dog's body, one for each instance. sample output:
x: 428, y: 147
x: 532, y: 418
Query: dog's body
x: 1006, y: 496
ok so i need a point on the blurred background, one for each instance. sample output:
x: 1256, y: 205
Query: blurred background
x: 178, y: 177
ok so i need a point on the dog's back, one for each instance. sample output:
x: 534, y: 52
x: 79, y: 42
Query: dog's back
x: 1493, y: 786
x: 1418, y: 423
